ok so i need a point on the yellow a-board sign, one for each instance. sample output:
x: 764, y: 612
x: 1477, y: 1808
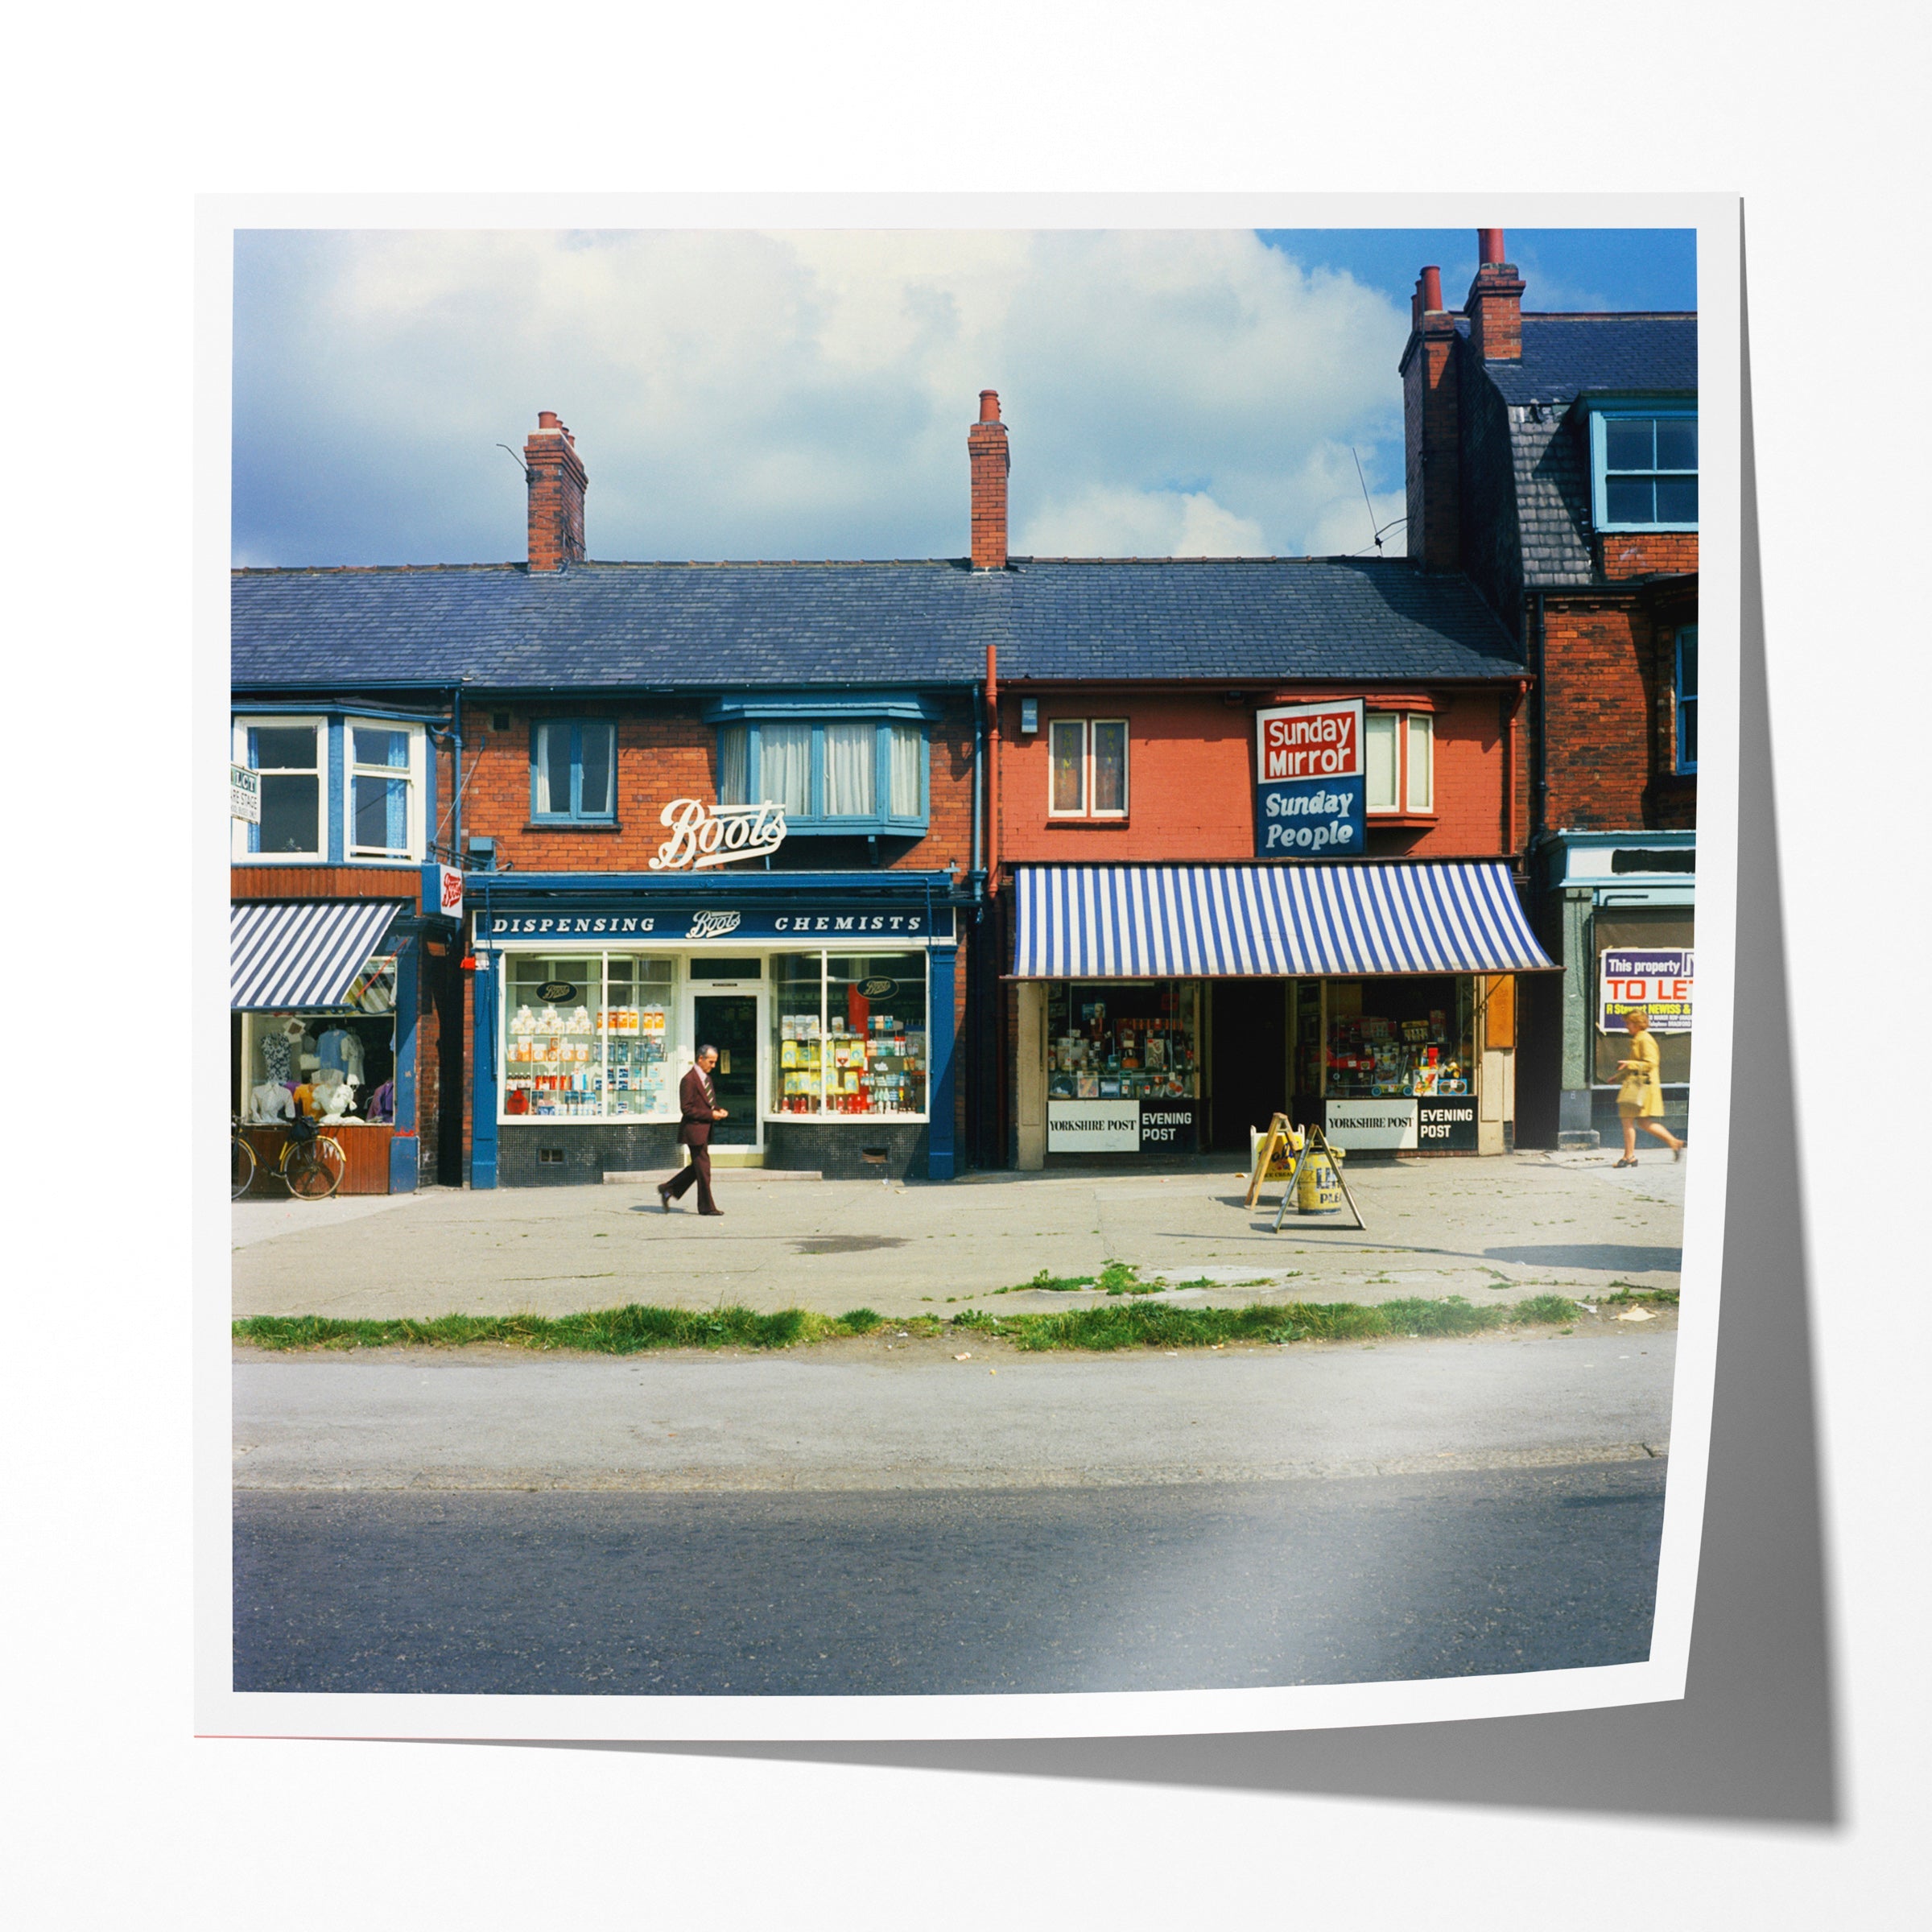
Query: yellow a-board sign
x: 1274, y: 1154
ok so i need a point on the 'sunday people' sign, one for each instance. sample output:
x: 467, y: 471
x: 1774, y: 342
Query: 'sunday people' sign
x: 703, y: 835
x: 1657, y: 983
x: 1310, y: 783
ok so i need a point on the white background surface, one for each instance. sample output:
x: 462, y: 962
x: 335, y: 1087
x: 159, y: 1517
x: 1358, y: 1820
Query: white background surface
x: 118, y: 1815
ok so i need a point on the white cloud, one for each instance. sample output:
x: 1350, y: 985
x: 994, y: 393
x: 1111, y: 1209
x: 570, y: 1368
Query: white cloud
x: 737, y: 394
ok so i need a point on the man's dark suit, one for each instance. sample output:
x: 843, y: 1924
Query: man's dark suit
x: 697, y: 1101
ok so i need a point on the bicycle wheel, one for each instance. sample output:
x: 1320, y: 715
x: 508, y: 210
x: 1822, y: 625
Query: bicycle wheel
x: 314, y: 1173
x: 243, y: 1161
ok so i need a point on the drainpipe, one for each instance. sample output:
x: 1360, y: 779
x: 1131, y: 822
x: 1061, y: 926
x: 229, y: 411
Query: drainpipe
x: 979, y: 782
x: 1539, y: 782
x: 1516, y: 705
x: 456, y: 823
x: 993, y: 770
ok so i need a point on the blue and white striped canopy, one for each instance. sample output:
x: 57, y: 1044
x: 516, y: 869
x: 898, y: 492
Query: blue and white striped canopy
x: 295, y: 953
x: 1178, y: 922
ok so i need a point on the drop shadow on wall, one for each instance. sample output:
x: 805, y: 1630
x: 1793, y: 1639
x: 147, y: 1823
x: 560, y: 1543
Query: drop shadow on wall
x: 1755, y: 1739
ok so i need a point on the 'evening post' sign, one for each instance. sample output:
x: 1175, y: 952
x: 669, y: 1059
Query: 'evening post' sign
x: 1656, y: 984
x: 1310, y: 785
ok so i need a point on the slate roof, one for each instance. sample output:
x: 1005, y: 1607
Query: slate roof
x: 1566, y: 357
x: 700, y: 626
x: 1552, y: 499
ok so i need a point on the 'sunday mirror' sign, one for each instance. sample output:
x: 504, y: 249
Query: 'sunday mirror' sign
x: 1310, y: 783
x: 703, y: 835
x: 1656, y: 983
x: 244, y: 793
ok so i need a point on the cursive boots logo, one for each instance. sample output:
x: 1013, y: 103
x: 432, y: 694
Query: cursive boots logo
x: 702, y: 837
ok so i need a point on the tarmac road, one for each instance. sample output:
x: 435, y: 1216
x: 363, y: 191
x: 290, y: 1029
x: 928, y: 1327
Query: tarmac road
x: 1183, y: 1586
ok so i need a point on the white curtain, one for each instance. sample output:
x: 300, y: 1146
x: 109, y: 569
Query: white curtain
x: 553, y: 768
x: 785, y: 766
x: 848, y: 754
x: 734, y: 766
x: 905, y: 771
x: 1378, y: 733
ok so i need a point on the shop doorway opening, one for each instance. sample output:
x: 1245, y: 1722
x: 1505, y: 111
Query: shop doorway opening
x: 1249, y: 1059
x: 729, y: 1021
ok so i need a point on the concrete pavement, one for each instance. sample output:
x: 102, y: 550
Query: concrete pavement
x: 1491, y: 1229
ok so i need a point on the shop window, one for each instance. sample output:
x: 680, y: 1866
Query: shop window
x: 385, y: 795
x: 291, y: 1061
x: 1643, y: 469
x: 587, y: 1036
x: 1657, y: 945
x: 842, y: 775
x: 848, y: 1033
x: 291, y: 754
x: 1122, y: 1040
x: 1399, y: 753
x: 1087, y: 768
x: 1687, y: 698
x: 1398, y: 1036
x: 573, y: 778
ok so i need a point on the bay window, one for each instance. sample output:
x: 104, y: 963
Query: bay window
x: 1399, y: 756
x: 333, y: 790
x: 384, y: 807
x: 290, y: 755
x: 853, y: 764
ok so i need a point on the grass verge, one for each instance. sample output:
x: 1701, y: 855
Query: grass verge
x: 635, y: 1327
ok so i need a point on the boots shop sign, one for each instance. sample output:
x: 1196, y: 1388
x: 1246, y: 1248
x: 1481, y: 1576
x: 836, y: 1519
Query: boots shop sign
x: 702, y: 836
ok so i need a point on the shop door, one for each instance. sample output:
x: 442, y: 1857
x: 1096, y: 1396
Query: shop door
x: 1250, y: 1068
x: 729, y: 1021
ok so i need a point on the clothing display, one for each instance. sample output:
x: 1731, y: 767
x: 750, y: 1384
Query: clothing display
x: 296, y: 1053
x: 278, y: 1054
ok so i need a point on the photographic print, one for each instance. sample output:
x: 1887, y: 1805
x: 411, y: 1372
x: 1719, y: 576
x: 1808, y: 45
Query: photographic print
x: 1134, y: 798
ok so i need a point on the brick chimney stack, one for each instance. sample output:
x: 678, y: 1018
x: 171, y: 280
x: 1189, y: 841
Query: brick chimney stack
x: 1431, y: 424
x: 556, y: 482
x: 986, y: 447
x: 1495, y: 305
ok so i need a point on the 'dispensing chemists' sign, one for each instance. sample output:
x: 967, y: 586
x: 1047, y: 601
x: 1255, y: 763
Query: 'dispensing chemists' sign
x: 1310, y: 783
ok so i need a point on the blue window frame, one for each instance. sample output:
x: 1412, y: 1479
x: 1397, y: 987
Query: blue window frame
x: 853, y: 764
x: 1643, y: 462
x: 573, y: 771
x: 1687, y: 698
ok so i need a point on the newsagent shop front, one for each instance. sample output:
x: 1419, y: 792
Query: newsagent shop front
x: 830, y: 998
x: 1167, y: 1010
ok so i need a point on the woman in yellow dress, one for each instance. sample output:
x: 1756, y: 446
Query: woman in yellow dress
x: 1639, y: 1101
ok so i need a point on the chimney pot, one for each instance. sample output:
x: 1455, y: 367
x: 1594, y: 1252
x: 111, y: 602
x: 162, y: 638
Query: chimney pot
x: 1432, y: 290
x: 990, y: 406
x: 547, y: 419
x: 1489, y: 245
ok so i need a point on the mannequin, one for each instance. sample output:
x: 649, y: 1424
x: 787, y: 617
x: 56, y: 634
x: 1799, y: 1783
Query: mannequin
x: 332, y: 1094
x: 274, y: 1102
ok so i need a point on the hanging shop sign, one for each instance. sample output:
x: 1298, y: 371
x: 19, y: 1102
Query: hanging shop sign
x: 442, y: 892
x: 1656, y: 984
x: 1310, y: 783
x: 703, y: 835
x: 244, y: 793
x: 1138, y: 1126
x: 799, y: 923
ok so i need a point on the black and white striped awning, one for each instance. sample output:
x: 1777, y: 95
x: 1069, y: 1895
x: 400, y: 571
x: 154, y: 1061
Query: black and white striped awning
x: 1140, y: 922
x: 292, y: 953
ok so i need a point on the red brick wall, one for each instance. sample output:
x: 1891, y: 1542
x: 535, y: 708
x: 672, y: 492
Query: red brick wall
x: 665, y: 754
x: 1190, y: 781
x: 1431, y: 427
x: 1609, y: 707
x: 325, y: 882
x: 1643, y: 553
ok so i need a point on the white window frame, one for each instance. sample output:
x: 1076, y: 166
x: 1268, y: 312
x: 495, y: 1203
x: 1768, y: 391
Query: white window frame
x: 1086, y: 810
x: 353, y: 854
x: 238, y: 847
x: 1406, y: 805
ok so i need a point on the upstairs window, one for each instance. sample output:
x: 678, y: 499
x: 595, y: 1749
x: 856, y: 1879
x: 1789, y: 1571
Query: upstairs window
x: 1087, y: 768
x: 290, y: 755
x: 1687, y: 698
x: 573, y: 772
x: 847, y: 775
x: 1645, y: 469
x: 384, y: 799
x: 1399, y: 755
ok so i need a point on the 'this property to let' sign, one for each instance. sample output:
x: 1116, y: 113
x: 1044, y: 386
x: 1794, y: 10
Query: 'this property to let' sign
x: 1309, y: 782
x: 1656, y: 984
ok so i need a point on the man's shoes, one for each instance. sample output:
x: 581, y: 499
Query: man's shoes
x: 664, y: 1196
x: 711, y: 1211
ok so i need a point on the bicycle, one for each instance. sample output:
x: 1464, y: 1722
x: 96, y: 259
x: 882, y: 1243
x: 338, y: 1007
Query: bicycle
x: 311, y: 1165
x: 242, y: 1161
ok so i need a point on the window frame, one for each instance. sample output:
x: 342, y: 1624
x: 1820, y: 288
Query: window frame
x: 1632, y: 411
x: 412, y: 774
x: 1405, y: 810
x: 1685, y: 767
x: 1088, y: 812
x: 575, y: 815
x: 815, y: 821
x: 243, y: 844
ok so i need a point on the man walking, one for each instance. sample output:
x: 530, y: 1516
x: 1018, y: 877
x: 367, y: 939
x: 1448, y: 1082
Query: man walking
x: 698, y: 1103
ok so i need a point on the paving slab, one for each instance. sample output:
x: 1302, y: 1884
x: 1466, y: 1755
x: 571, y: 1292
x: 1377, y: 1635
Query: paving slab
x: 1491, y: 1229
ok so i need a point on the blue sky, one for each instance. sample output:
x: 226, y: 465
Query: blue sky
x: 806, y: 392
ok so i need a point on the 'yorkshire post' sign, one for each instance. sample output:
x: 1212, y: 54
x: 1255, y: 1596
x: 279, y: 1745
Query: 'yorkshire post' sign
x: 1310, y: 781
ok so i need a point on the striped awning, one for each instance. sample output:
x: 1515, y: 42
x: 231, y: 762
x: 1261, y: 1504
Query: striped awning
x: 1177, y: 921
x: 295, y: 953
